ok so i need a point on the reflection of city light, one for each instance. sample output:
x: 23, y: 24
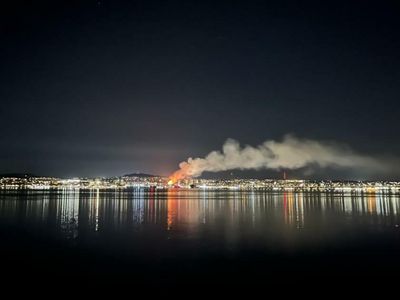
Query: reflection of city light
x: 97, y: 209
x: 180, y: 209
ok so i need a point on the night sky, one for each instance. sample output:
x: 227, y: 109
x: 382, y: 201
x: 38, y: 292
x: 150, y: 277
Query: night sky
x: 102, y: 88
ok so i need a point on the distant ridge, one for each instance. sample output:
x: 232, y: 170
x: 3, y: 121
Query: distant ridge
x: 19, y: 175
x: 139, y: 175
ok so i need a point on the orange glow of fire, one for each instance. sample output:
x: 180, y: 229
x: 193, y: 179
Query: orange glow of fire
x: 175, y: 177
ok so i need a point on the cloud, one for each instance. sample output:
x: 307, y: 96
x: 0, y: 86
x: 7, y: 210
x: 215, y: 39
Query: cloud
x: 290, y: 153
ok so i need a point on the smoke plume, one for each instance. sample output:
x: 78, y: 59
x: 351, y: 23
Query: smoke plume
x: 290, y: 153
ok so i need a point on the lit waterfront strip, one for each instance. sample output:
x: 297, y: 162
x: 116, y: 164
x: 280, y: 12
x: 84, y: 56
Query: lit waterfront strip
x: 44, y: 183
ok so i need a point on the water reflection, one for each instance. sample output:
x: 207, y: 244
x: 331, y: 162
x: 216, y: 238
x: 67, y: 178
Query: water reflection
x: 78, y: 213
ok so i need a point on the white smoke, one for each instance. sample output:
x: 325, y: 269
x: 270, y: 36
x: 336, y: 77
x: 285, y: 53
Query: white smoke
x: 290, y: 153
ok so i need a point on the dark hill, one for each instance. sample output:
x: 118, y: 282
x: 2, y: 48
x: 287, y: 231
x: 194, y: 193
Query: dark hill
x: 139, y: 175
x: 19, y: 175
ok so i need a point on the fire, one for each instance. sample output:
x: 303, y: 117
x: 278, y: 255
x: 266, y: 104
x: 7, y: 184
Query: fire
x: 177, y: 176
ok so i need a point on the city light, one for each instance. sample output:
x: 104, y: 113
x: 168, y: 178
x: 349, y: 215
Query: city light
x: 158, y: 182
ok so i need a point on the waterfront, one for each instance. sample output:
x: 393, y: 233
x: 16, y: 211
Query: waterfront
x: 177, y: 235
x: 144, y: 181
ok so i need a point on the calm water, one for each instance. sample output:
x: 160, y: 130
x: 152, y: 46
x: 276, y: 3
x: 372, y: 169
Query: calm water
x: 169, y: 236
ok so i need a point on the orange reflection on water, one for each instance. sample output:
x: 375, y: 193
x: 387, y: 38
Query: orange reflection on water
x: 184, y: 209
x: 172, y: 207
x: 371, y: 203
x: 293, y: 209
x: 289, y: 207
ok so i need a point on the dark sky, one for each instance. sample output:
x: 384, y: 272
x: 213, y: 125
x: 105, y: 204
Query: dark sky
x: 99, y: 88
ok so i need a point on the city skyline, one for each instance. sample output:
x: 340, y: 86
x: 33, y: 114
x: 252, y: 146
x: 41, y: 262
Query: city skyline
x: 144, y: 183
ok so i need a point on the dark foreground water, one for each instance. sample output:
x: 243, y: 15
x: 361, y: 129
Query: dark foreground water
x: 187, y: 236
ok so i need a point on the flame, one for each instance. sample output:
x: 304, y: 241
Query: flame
x: 178, y: 175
